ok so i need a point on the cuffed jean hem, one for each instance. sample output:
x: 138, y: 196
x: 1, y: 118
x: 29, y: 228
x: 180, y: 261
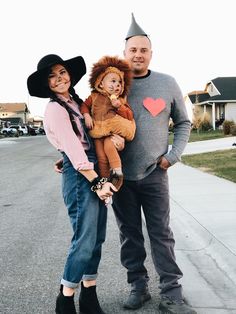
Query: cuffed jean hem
x: 69, y: 284
x: 90, y: 277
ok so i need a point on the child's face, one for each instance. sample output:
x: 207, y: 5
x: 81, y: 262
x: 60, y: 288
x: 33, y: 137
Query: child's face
x: 111, y: 83
x: 59, y: 80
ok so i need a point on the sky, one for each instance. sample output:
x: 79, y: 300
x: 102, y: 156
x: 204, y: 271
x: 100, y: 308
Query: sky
x: 192, y: 40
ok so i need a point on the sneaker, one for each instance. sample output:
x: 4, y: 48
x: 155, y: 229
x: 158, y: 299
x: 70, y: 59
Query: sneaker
x: 136, y: 299
x: 169, y: 305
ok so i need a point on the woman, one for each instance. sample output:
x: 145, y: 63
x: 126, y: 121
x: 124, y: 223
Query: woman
x: 84, y: 192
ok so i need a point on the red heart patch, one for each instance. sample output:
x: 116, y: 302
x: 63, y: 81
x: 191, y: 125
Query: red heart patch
x: 154, y: 106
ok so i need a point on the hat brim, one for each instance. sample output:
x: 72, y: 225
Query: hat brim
x: 37, y: 82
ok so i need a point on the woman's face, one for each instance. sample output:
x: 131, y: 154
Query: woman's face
x: 59, y: 80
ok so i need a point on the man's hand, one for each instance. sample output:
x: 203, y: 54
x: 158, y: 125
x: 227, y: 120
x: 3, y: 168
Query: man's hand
x: 164, y: 163
x: 118, y: 141
x: 58, y: 165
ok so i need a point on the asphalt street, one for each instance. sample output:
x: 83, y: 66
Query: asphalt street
x: 35, y: 235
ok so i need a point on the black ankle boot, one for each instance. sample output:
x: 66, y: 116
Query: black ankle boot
x: 88, y: 301
x: 65, y: 305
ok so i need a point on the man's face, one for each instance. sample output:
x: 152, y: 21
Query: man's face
x: 138, y: 53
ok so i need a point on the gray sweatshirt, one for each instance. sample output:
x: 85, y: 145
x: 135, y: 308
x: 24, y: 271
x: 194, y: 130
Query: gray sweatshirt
x: 155, y: 99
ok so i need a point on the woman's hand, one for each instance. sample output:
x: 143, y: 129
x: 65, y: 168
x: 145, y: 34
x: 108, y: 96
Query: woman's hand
x: 107, y: 190
x: 58, y: 165
x: 118, y: 141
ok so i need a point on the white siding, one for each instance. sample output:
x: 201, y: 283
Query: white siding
x: 189, y: 107
x: 230, y: 111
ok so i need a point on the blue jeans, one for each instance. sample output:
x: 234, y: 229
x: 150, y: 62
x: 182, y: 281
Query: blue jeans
x: 150, y: 194
x: 88, y: 216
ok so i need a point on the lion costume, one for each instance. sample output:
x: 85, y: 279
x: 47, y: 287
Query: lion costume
x: 107, y: 119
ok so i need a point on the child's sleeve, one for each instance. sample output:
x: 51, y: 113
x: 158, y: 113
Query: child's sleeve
x: 125, y: 110
x: 85, y: 107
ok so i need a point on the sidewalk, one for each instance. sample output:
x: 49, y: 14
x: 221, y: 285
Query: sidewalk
x: 209, y: 145
x: 203, y: 219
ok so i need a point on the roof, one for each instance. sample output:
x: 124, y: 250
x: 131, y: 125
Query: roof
x: 226, y: 87
x: 198, y: 97
x: 13, y: 107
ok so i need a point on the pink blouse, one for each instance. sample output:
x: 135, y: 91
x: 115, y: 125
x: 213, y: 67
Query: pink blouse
x: 61, y: 135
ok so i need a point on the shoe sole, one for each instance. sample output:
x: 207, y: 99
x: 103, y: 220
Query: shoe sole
x: 147, y: 298
x: 164, y: 311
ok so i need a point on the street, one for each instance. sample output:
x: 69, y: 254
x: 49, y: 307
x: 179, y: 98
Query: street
x: 35, y: 235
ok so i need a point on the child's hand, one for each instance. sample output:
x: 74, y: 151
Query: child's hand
x: 116, y: 103
x: 88, y: 121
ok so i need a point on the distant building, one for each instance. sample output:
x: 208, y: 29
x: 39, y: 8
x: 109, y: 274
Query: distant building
x: 36, y: 121
x: 15, y: 113
x: 218, y: 99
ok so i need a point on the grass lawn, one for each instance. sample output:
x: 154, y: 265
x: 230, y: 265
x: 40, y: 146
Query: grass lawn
x: 202, y: 136
x: 220, y: 163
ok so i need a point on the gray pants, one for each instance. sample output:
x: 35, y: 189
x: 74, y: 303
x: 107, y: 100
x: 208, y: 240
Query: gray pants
x: 152, y: 195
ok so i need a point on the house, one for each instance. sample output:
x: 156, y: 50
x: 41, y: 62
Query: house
x: 218, y: 99
x: 15, y: 113
x: 36, y: 121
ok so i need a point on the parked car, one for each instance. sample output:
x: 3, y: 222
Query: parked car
x: 9, y: 131
x: 31, y: 130
x: 39, y: 130
x: 22, y: 129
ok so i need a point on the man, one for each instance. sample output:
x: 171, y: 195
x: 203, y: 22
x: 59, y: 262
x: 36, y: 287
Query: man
x: 154, y: 98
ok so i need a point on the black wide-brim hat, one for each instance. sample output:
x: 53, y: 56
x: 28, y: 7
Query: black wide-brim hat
x: 37, y: 82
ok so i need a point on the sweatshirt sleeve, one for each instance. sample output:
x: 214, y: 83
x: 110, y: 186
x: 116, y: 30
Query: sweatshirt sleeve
x: 61, y: 135
x: 182, y: 125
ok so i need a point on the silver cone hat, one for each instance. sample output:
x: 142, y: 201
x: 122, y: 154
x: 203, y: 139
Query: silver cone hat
x: 135, y: 29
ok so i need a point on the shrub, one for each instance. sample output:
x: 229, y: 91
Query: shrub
x: 233, y: 129
x: 205, y: 123
x: 171, y: 126
x: 227, y: 124
x: 202, y: 122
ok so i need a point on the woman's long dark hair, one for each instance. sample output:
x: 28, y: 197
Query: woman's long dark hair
x: 76, y: 98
